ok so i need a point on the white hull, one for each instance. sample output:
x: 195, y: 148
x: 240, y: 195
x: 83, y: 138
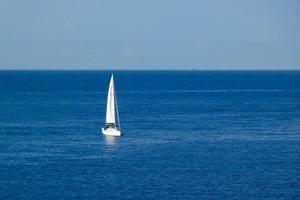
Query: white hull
x: 111, y: 132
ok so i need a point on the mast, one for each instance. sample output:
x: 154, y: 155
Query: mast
x: 117, y: 111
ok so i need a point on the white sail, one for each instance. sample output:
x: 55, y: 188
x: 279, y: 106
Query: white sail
x: 111, y: 106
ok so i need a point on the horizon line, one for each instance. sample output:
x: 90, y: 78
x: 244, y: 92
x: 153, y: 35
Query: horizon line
x: 118, y: 69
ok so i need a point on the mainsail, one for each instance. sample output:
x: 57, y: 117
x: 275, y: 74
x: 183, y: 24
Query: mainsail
x: 111, y: 105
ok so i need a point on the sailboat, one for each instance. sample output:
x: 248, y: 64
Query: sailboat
x: 112, y: 123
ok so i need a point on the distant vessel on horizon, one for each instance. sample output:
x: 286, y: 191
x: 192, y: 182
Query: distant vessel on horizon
x: 112, y: 121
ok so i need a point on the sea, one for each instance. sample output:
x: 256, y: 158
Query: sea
x: 186, y: 135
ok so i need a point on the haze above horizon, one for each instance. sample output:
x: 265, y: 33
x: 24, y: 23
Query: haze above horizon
x: 138, y: 34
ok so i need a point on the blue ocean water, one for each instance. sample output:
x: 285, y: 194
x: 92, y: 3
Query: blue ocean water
x: 187, y: 135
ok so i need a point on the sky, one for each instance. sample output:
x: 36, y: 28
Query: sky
x: 150, y: 34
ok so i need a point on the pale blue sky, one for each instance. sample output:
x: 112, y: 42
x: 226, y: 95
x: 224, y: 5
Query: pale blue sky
x: 149, y: 34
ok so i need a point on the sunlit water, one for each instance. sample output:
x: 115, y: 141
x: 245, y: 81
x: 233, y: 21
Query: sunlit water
x: 187, y: 135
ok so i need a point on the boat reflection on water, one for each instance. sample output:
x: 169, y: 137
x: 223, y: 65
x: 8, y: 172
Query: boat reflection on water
x: 110, y: 141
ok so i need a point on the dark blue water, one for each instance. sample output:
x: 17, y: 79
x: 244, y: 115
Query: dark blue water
x: 187, y: 135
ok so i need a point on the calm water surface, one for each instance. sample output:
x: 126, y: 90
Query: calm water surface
x: 187, y: 135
